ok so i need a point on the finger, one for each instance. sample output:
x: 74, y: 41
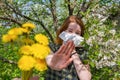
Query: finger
x: 70, y: 50
x: 63, y: 48
x: 69, y: 53
x: 67, y: 63
x: 60, y: 50
x: 66, y: 46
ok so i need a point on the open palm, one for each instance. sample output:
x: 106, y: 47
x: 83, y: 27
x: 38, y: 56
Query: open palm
x: 61, y: 59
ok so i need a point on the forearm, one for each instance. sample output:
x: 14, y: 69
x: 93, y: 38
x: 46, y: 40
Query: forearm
x: 82, y: 71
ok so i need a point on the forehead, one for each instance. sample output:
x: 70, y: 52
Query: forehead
x: 74, y: 26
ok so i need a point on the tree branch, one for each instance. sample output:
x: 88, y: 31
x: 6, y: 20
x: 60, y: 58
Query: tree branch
x: 10, y: 19
x: 38, y: 21
x: 84, y: 7
x: 71, y: 7
x: 53, y: 11
x: 41, y: 23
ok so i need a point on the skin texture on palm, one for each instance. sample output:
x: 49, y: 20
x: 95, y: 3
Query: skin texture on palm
x: 62, y: 58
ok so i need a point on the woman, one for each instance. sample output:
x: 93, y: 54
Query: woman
x: 65, y: 62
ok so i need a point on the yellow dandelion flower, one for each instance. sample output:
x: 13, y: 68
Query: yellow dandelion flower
x: 28, y: 25
x: 8, y: 38
x: 42, y: 39
x: 27, y: 41
x: 15, y: 31
x: 25, y: 30
x: 41, y: 65
x: 40, y: 51
x: 26, y: 49
x: 26, y: 63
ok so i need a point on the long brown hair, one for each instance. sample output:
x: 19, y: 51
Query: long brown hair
x: 65, y: 25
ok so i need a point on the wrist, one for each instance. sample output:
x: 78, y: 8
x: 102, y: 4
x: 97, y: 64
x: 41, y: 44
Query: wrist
x: 76, y: 58
x: 75, y: 55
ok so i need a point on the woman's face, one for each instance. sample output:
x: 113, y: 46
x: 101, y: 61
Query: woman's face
x: 74, y: 28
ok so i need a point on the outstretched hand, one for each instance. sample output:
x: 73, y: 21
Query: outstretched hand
x: 61, y: 59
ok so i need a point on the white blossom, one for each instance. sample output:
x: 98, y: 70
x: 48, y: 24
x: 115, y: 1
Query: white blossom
x: 118, y: 46
x: 110, y: 43
x: 105, y: 57
x: 113, y: 31
x: 103, y: 63
x: 113, y: 51
x: 101, y: 34
x: 103, y: 19
x: 115, y: 22
x: 99, y: 55
x: 89, y: 41
x: 112, y: 63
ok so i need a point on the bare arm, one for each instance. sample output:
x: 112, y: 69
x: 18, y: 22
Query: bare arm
x: 82, y: 71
